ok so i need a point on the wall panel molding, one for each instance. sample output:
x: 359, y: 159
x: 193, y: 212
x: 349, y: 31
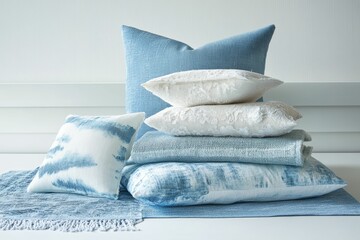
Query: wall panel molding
x: 317, y: 93
x: 46, y: 119
x: 31, y: 114
x: 112, y: 94
x: 62, y: 95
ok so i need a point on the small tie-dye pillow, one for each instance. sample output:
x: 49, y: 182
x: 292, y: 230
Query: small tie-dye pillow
x: 88, y: 155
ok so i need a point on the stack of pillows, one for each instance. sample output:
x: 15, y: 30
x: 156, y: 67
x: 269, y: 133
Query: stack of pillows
x: 215, y: 144
x: 219, y: 103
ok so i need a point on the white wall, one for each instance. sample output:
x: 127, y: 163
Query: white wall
x: 73, y: 42
x: 80, y: 40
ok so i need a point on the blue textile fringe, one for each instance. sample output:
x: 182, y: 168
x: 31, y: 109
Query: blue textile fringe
x: 70, y: 225
x: 20, y: 210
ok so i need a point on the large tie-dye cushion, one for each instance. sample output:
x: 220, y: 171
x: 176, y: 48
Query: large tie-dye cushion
x: 88, y: 155
x: 179, y: 183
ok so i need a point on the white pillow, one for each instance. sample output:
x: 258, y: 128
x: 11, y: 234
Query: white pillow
x: 217, y: 86
x: 260, y: 119
x: 88, y: 155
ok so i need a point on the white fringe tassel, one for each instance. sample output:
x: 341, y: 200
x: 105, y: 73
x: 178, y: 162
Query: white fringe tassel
x: 70, y: 225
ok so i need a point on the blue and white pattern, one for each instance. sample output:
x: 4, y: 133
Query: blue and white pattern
x: 88, y: 156
x: 177, y: 184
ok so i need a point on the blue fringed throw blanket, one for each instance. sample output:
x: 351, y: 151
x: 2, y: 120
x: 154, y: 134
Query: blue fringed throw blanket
x: 20, y: 210
x: 338, y: 203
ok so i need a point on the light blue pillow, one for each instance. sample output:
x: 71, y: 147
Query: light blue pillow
x: 88, y: 156
x: 287, y: 149
x: 178, y: 184
x: 149, y: 55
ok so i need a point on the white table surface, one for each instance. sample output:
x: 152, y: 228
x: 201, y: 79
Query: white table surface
x: 345, y: 165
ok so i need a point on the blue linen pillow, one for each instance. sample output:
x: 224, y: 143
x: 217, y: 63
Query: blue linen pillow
x: 148, y: 56
x: 288, y: 149
x: 179, y: 184
x: 88, y: 155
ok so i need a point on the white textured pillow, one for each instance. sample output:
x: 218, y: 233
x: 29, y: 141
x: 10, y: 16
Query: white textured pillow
x: 88, y: 155
x: 260, y: 119
x: 216, y: 86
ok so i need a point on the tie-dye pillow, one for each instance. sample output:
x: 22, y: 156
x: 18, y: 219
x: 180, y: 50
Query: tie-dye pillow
x: 88, y: 155
x: 180, y: 183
